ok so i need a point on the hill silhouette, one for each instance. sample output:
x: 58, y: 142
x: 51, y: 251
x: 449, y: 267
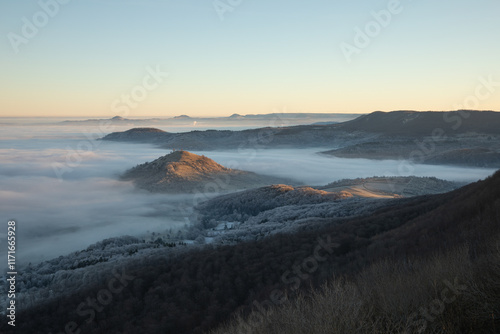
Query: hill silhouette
x: 416, y: 123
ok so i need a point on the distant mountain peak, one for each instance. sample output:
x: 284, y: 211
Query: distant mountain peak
x: 181, y: 117
x: 118, y: 118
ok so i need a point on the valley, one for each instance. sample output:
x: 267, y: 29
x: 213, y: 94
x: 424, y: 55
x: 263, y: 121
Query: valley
x: 244, y: 206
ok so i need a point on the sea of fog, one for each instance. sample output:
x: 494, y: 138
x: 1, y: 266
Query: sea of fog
x: 62, y: 187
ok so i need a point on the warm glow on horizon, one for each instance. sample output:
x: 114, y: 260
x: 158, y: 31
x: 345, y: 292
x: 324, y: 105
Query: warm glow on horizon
x: 170, y: 59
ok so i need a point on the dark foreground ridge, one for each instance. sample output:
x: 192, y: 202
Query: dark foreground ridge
x: 419, y: 246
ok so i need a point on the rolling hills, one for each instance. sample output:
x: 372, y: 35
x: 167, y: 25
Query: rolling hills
x: 462, y: 138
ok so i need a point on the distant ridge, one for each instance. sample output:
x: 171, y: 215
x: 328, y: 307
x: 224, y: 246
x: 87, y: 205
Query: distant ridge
x: 413, y: 123
x: 262, y: 119
x: 460, y: 138
x: 115, y: 119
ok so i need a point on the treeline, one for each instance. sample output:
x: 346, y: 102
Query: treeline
x: 48, y: 280
x: 449, y: 293
x: 197, y: 291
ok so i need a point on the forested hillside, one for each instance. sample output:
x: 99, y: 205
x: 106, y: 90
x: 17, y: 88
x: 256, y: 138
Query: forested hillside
x: 196, y: 291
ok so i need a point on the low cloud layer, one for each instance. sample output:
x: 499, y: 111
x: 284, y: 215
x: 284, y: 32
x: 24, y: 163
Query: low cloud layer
x: 309, y: 167
x: 88, y: 203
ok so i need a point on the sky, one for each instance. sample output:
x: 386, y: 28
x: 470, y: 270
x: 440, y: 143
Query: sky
x: 161, y: 58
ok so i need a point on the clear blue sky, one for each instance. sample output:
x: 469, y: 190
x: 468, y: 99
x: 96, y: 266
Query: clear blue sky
x: 264, y: 55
